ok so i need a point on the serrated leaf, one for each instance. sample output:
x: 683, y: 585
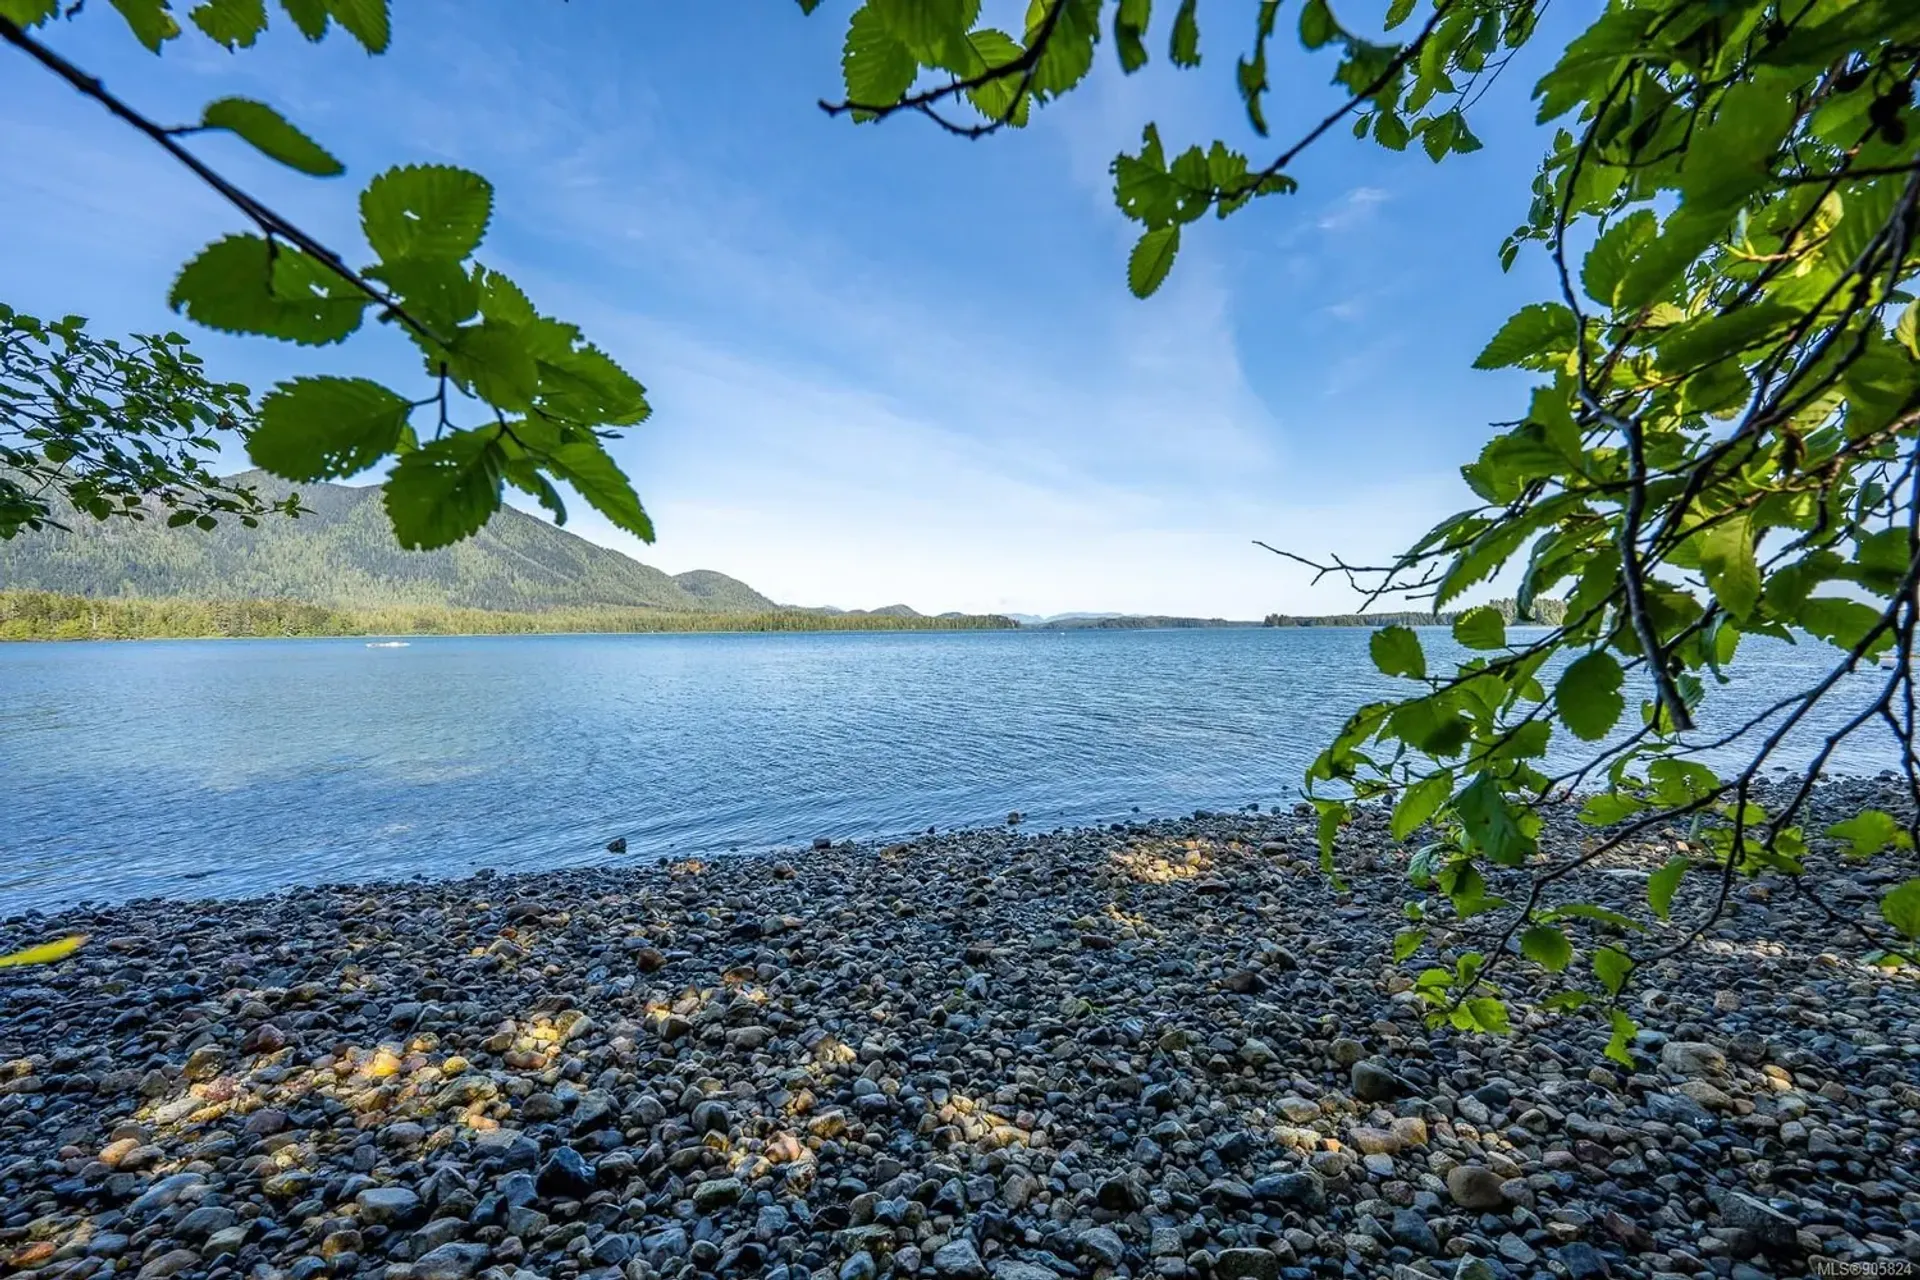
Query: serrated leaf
x: 1868, y: 832
x: 426, y: 211
x: 1901, y: 908
x: 586, y: 465
x: 366, y: 20
x: 1612, y: 966
x: 310, y: 16
x: 1618, y: 1044
x: 1068, y: 54
x: 271, y: 134
x: 1184, y: 47
x: 1151, y: 259
x: 926, y: 26
x: 492, y: 361
x: 586, y: 386
x: 244, y: 285
x: 1490, y: 824
x: 1000, y: 98
x: 1482, y: 628
x: 1608, y: 808
x: 1547, y: 947
x: 1489, y: 1014
x: 233, y: 23
x: 1406, y: 942
x: 876, y: 65
x: 437, y: 292
x: 325, y: 428
x: 1727, y: 559
x: 1907, y: 330
x: 1396, y: 652
x: 1588, y: 695
x: 1608, y: 260
x: 1662, y: 884
x: 151, y: 21
x: 45, y: 953
x: 446, y: 490
x: 29, y: 13
x: 1419, y: 802
x: 1538, y: 330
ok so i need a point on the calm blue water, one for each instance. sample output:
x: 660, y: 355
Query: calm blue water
x: 215, y: 768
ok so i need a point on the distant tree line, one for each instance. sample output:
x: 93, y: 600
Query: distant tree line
x: 1549, y: 613
x: 46, y: 615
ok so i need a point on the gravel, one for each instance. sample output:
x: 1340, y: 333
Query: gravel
x: 1167, y: 1049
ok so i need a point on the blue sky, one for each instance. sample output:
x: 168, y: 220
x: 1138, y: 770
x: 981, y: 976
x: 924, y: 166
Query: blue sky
x: 886, y: 365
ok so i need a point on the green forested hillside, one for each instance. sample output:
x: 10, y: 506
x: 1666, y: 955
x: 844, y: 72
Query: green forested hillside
x: 344, y: 554
x: 729, y: 595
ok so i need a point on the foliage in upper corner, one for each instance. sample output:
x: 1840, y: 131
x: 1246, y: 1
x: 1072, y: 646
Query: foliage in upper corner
x: 114, y: 429
x: 1723, y: 442
x: 511, y: 397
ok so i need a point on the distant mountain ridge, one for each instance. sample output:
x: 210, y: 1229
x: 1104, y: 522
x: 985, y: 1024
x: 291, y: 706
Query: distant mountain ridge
x: 343, y: 554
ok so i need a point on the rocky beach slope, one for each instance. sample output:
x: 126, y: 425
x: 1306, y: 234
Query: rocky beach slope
x: 1165, y: 1050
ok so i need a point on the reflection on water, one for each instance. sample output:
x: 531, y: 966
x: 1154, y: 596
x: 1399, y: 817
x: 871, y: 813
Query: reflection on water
x: 236, y: 767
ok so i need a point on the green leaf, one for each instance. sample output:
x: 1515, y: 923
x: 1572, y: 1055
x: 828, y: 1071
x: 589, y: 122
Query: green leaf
x: 1547, y: 946
x: 584, y: 385
x: 1390, y: 131
x: 998, y: 99
x: 1184, y: 49
x: 1537, y: 331
x: 1317, y: 25
x: 1662, y: 884
x: 1420, y: 802
x: 446, y: 490
x: 1868, y: 832
x: 1406, y: 942
x: 926, y: 26
x: 1588, y: 695
x: 1901, y: 907
x: 1489, y: 1014
x: 270, y: 133
x: 1908, y: 329
x: 233, y: 23
x: 586, y: 466
x: 310, y: 16
x: 1612, y: 966
x: 1618, y: 1044
x: 1727, y: 559
x: 1842, y: 623
x: 1608, y: 808
x: 492, y: 361
x: 1396, y: 652
x: 244, y: 285
x: 366, y: 20
x: 45, y: 953
x: 1398, y: 12
x: 426, y: 211
x: 1566, y: 1001
x: 1152, y: 259
x: 1130, y: 18
x: 1068, y: 53
x: 324, y: 428
x: 1607, y: 261
x: 150, y: 21
x: 1482, y: 628
x: 1602, y: 915
x: 1489, y: 824
x: 437, y: 292
x: 876, y: 65
x: 29, y: 13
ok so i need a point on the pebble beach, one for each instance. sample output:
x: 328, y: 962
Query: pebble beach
x: 1158, y: 1049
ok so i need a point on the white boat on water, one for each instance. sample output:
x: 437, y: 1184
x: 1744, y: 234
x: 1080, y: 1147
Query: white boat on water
x: 386, y: 644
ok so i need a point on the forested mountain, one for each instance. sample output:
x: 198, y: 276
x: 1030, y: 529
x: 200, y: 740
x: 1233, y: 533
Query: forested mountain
x: 344, y: 554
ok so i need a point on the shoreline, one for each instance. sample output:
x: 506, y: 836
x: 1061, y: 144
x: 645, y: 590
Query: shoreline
x: 1169, y: 1050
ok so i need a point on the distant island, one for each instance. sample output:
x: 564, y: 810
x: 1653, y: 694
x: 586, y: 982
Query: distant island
x: 1545, y: 612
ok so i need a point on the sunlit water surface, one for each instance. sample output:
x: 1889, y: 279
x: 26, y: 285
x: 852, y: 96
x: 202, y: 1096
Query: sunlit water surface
x: 219, y: 768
